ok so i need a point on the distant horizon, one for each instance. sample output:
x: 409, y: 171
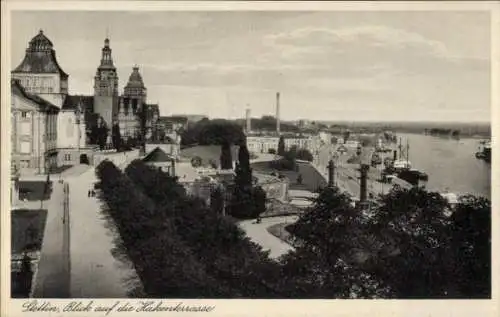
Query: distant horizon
x: 344, y: 121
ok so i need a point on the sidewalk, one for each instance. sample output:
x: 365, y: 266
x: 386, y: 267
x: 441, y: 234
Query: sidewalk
x: 52, y: 277
x: 95, y: 273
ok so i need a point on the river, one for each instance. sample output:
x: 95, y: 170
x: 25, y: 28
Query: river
x: 451, y: 164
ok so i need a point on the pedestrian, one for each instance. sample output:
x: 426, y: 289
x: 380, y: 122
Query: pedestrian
x: 88, y: 193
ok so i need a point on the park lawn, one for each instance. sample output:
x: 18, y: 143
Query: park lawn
x: 34, y: 190
x: 27, y: 229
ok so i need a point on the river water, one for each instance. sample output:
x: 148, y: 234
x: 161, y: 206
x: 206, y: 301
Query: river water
x: 450, y: 164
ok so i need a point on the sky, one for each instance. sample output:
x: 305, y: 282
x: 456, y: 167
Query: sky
x: 336, y: 65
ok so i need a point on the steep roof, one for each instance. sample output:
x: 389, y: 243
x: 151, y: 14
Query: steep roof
x: 17, y: 89
x: 86, y: 102
x: 157, y: 156
x: 135, y: 79
x: 40, y: 58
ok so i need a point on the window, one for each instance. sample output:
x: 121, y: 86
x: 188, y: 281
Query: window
x: 25, y: 128
x: 25, y: 164
x: 25, y: 147
x: 25, y: 114
x: 67, y: 157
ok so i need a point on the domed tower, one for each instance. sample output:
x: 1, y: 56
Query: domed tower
x: 134, y: 97
x: 135, y: 88
x: 106, y: 86
x: 39, y: 72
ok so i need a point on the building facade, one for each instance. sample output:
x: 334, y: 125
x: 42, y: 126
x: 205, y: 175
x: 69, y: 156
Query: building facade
x: 33, y: 132
x: 41, y: 77
x: 262, y: 144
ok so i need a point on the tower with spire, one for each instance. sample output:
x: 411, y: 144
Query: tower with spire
x: 106, y: 86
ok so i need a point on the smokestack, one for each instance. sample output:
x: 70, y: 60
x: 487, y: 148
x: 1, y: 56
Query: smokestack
x: 249, y: 120
x: 278, y: 113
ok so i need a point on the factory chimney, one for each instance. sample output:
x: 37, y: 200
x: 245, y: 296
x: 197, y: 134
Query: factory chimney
x: 249, y: 121
x: 278, y: 113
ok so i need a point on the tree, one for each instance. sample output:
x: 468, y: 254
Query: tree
x: 471, y: 245
x: 415, y: 221
x: 242, y: 204
x: 116, y: 137
x: 226, y: 161
x: 196, y: 161
x: 217, y: 201
x: 244, y: 157
x: 303, y: 154
x: 235, y: 267
x: 213, y: 164
x: 259, y: 201
x: 281, y: 146
x: 346, y: 135
x: 213, y: 132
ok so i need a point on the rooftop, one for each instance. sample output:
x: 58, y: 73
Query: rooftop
x: 44, y: 105
x: 40, y: 58
x: 157, y: 156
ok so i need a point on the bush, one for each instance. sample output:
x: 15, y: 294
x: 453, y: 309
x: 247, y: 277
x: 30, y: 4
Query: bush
x: 305, y: 155
x: 233, y: 260
x: 165, y: 265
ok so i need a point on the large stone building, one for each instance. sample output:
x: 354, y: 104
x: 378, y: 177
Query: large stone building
x: 33, y: 133
x: 40, y: 76
x: 124, y: 110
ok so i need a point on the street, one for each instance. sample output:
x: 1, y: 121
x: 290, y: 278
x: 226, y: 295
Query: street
x: 258, y: 233
x: 95, y: 272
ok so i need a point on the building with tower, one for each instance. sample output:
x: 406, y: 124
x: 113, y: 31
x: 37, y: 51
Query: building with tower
x: 106, y: 86
x: 40, y: 82
x: 126, y: 110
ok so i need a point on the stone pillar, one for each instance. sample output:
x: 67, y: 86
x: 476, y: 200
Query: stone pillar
x: 363, y: 182
x: 172, y: 168
x: 331, y: 173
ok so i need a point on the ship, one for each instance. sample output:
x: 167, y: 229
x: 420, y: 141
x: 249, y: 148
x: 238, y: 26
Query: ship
x: 484, y: 152
x: 376, y: 159
x: 402, y: 168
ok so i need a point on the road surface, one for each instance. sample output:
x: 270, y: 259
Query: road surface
x: 258, y: 233
x: 95, y: 272
x: 52, y: 276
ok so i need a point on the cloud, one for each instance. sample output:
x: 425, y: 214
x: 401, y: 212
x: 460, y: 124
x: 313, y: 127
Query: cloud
x: 352, y: 50
x: 369, y: 36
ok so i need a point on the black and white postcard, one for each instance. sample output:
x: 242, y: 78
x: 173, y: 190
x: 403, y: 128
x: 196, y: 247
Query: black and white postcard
x: 186, y: 157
